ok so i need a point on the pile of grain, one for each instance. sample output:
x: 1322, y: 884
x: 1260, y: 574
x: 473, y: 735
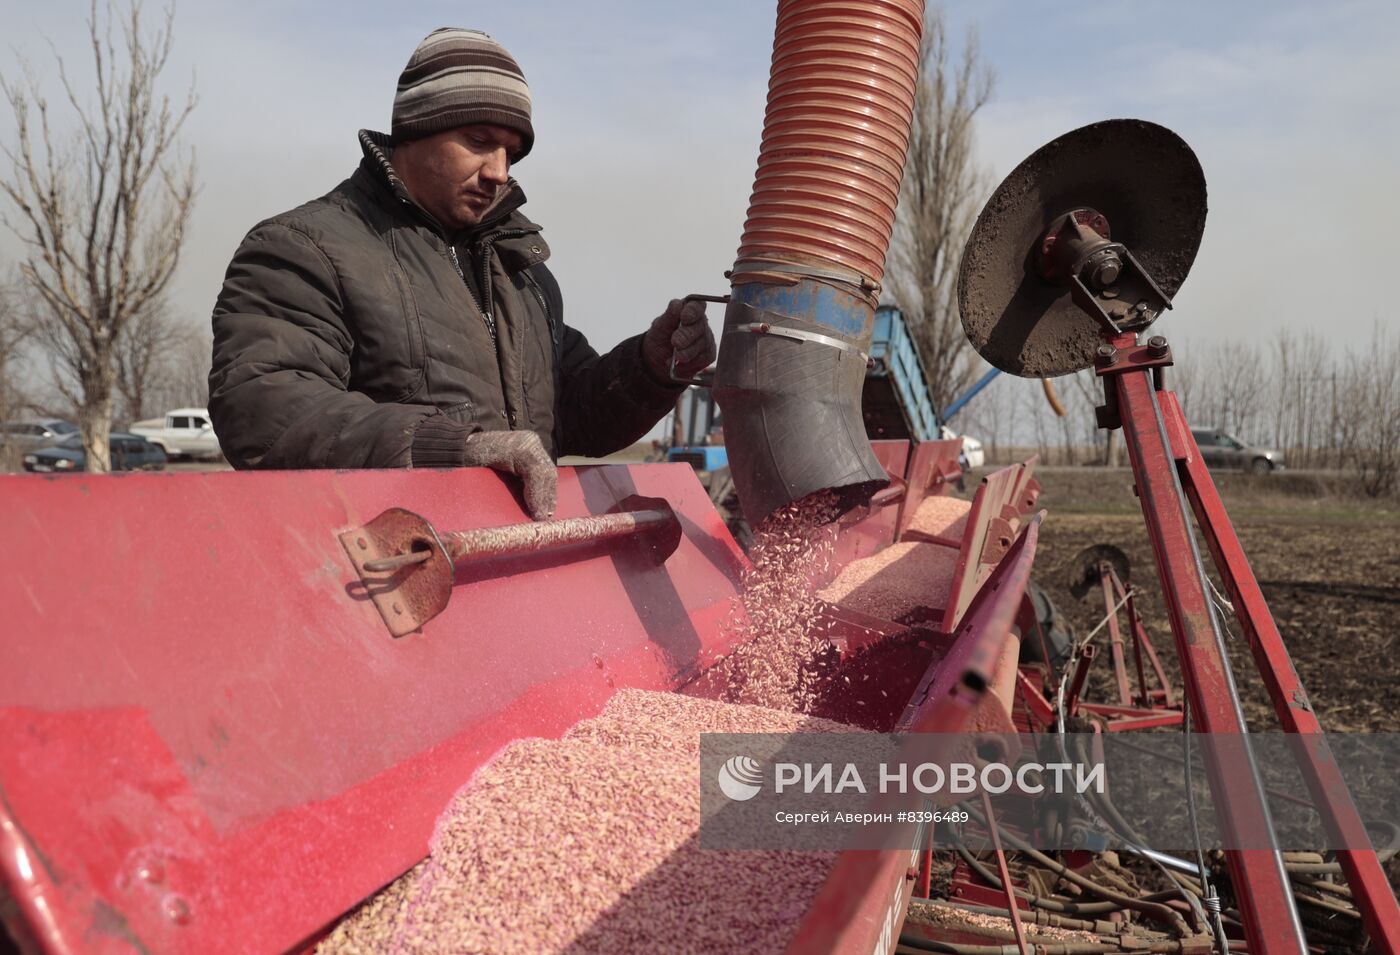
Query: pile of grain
x: 588, y: 844
x: 941, y: 516
x: 672, y: 722
x: 791, y: 551
x: 906, y: 583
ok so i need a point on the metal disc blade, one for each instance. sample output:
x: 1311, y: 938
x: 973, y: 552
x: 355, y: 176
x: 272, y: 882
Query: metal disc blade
x: 1141, y: 176
x: 1085, y: 571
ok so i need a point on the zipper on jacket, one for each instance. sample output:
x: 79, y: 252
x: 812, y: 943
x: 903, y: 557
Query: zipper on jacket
x: 482, y: 249
x: 483, y: 308
x: 544, y: 304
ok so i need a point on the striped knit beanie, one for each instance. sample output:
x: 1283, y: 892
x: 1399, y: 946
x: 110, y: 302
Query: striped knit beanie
x: 458, y: 77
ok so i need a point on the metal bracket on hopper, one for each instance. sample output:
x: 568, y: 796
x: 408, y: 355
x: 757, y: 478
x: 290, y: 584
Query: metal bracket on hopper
x: 408, y: 568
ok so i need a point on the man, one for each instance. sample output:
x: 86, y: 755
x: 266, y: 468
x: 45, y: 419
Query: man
x: 407, y: 318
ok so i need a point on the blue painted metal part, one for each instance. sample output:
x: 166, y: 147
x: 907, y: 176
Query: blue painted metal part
x: 969, y: 394
x: 791, y: 406
x: 894, y: 354
x: 845, y: 313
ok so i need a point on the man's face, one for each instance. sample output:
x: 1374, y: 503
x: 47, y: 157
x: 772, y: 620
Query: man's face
x: 456, y: 175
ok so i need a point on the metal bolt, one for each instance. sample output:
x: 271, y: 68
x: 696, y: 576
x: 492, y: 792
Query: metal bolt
x: 1106, y: 274
x: 1157, y: 345
x: 1107, y: 353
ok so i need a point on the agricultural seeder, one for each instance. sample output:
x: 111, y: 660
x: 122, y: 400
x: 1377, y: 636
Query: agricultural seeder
x: 235, y: 705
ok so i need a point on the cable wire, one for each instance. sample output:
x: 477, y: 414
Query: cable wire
x: 1212, y: 900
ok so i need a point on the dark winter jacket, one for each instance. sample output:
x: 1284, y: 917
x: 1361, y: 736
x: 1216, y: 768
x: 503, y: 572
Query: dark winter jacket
x: 350, y: 333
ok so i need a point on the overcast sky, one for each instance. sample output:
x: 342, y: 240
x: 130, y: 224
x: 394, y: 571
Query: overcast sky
x: 648, y: 117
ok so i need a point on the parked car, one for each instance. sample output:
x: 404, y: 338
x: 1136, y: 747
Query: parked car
x: 972, y: 454
x: 128, y: 452
x: 184, y: 432
x: 38, y: 433
x: 1224, y: 450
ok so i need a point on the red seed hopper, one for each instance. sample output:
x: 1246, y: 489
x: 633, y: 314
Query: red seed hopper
x: 214, y: 738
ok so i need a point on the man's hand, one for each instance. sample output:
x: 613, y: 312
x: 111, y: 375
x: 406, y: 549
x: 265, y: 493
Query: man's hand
x: 519, y: 453
x: 681, y: 330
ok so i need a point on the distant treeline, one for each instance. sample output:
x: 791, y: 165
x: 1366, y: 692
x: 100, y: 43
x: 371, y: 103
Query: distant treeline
x: 1325, y: 406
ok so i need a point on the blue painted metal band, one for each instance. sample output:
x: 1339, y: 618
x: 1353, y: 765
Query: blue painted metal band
x: 847, y: 315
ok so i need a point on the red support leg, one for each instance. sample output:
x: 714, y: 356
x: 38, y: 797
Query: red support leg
x: 1081, y: 673
x: 1140, y: 635
x: 1008, y: 887
x: 1115, y: 643
x: 1135, y: 627
x: 1362, y: 869
x: 1266, y: 899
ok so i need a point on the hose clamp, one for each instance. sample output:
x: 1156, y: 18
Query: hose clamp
x: 767, y: 328
x: 793, y: 272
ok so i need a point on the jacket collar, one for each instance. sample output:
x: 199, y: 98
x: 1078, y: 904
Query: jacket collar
x: 377, y: 149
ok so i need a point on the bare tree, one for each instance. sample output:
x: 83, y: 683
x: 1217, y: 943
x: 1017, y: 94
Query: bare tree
x: 938, y: 202
x: 1369, y: 431
x: 990, y: 417
x: 14, y: 330
x: 157, y: 358
x: 103, y: 211
x: 181, y: 377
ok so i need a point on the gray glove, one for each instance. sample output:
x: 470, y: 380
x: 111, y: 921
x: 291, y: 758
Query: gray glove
x: 683, y: 330
x: 519, y: 453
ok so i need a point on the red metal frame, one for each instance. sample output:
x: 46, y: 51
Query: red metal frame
x: 1169, y: 471
x: 1000, y: 504
x: 1150, y: 708
x: 1364, y: 874
x: 1266, y: 908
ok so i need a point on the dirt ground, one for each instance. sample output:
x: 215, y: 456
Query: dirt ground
x: 1327, y: 558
